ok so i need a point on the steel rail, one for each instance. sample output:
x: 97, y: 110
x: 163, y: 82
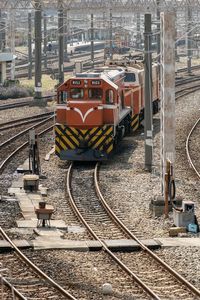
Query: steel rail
x: 132, y: 236
x: 187, y: 91
x: 25, y: 119
x: 22, y: 103
x: 13, y: 105
x: 24, y: 131
x: 123, y: 266
x: 187, y: 148
x: 15, y: 125
x: 12, y: 288
x: 35, y: 268
x: 181, y: 70
x: 8, y: 158
x: 184, y: 81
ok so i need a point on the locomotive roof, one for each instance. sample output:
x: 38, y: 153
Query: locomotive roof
x: 104, y: 72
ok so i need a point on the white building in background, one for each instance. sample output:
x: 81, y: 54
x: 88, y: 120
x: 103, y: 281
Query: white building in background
x: 5, y: 57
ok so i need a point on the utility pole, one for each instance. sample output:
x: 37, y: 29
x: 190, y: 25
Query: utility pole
x: 45, y: 40
x: 61, y: 41
x: 29, y: 46
x: 66, y: 34
x: 167, y: 92
x: 2, y: 33
x: 110, y: 36
x: 158, y: 35
x: 138, y: 35
x: 38, y: 52
x: 12, y: 41
x: 189, y: 40
x: 92, y: 40
x: 148, y: 123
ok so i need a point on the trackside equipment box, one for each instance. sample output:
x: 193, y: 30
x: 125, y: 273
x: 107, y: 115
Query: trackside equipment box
x: 184, y: 216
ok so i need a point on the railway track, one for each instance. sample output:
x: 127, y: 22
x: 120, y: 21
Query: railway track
x: 23, y: 103
x: 8, y: 146
x: 24, y: 121
x: 182, y: 70
x: 13, y: 152
x: 187, y: 86
x: 193, y: 148
x: 24, y: 279
x: 154, y: 270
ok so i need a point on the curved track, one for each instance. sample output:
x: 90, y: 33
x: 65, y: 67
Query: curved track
x: 26, y: 280
x: 171, y: 284
x: 141, y: 285
x: 193, y: 131
x: 22, y: 145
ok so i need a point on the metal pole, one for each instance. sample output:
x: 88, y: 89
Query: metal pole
x: 176, y: 45
x: 29, y: 47
x: 38, y: 42
x: 92, y: 40
x: 45, y: 41
x: 189, y: 41
x: 61, y: 42
x: 138, y: 35
x: 148, y: 127
x: 110, y: 35
x: 167, y: 180
x: 1, y: 32
x: 12, y: 41
x: 158, y: 34
x: 66, y: 34
x: 167, y: 92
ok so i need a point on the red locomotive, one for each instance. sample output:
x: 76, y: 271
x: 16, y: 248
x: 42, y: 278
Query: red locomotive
x: 96, y: 109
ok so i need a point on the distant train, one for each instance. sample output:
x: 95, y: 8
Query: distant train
x: 76, y: 47
x: 97, y: 108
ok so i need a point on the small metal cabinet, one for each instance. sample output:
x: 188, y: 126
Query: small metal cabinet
x: 31, y: 182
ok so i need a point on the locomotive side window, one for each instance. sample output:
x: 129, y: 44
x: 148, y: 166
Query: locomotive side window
x: 95, y: 93
x: 62, y: 97
x: 129, y: 77
x: 76, y: 93
x: 109, y: 97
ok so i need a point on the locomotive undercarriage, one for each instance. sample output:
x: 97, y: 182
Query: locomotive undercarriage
x: 94, y: 144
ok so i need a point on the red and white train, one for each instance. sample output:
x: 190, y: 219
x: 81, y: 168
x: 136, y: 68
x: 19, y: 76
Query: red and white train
x: 96, y: 109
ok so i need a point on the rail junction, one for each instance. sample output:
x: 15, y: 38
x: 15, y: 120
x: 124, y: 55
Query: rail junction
x: 126, y: 228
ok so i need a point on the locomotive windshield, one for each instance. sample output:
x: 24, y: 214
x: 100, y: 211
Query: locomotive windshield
x: 76, y: 93
x: 129, y: 77
x: 95, y: 93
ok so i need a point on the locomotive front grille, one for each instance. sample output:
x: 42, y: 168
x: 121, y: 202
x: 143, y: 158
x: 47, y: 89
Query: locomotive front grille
x: 70, y: 138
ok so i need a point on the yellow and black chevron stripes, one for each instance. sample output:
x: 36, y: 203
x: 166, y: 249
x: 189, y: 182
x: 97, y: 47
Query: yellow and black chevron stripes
x: 69, y: 138
x: 135, y: 122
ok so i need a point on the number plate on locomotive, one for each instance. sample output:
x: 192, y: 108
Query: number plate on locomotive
x: 76, y: 82
x: 95, y: 82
